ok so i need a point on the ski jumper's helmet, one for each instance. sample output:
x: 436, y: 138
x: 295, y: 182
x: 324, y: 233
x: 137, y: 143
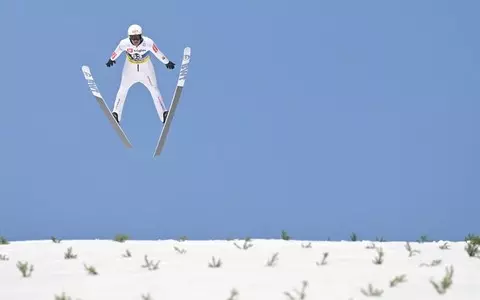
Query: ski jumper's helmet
x: 135, y: 32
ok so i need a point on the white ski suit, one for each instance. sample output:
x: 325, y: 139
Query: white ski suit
x: 139, y: 68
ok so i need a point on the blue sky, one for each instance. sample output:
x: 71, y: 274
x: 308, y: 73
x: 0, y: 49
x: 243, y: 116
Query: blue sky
x: 318, y: 117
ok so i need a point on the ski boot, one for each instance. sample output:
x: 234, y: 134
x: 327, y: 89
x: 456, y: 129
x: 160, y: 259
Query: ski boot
x: 115, y: 115
x: 165, y: 114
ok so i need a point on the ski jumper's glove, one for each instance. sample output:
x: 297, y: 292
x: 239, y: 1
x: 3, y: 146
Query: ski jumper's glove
x: 170, y: 65
x: 110, y: 63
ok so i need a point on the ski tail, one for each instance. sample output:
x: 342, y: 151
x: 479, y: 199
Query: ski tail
x: 103, y: 105
x: 187, y: 52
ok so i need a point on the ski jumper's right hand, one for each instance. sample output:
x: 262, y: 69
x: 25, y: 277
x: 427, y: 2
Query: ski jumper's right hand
x: 113, y: 58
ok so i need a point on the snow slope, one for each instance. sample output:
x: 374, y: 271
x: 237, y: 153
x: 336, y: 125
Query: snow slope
x: 348, y: 268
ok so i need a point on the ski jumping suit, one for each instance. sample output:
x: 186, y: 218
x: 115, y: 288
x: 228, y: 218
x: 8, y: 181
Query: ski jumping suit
x: 139, y: 68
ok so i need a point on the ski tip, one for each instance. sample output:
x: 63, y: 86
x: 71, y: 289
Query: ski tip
x: 187, y: 53
x: 86, y: 73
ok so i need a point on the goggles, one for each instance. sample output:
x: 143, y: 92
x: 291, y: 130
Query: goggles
x: 136, y: 37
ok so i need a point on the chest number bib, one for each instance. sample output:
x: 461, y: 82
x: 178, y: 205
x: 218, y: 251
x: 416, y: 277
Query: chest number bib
x: 137, y: 56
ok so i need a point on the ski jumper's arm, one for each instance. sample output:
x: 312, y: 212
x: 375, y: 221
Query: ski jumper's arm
x: 118, y: 50
x: 158, y: 54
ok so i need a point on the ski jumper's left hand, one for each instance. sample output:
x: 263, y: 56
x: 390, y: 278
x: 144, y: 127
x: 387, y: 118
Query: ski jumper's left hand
x: 159, y: 54
x: 110, y: 63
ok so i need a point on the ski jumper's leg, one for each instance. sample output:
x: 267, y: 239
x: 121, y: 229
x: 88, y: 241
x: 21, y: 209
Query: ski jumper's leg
x: 129, y: 77
x: 150, y: 81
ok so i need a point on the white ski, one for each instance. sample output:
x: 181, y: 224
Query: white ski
x: 103, y: 105
x: 176, y: 98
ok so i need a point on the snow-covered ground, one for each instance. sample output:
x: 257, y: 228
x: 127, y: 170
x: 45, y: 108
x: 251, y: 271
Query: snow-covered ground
x: 347, y: 269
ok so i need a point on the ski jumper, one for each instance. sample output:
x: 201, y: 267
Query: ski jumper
x: 139, y: 68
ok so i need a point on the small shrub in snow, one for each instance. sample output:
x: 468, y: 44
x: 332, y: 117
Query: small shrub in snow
x: 273, y: 260
x: 182, y: 238
x: 285, y: 236
x: 434, y: 263
x: 371, y: 246
x: 233, y: 294
x: 398, y: 279
x: 473, y: 244
x: 180, y: 251
x: 147, y: 297
x: 300, y: 294
x: 246, y: 244
x: 381, y: 239
x: 90, y: 270
x: 378, y: 260
x: 24, y: 268
x: 55, y: 240
x: 446, y: 282
x: 472, y: 249
x: 309, y: 245
x: 215, y: 263
x: 445, y: 246
x: 474, y: 239
x: 324, y: 260
x: 3, y: 257
x: 372, y: 292
x: 423, y: 239
x: 3, y: 241
x: 353, y: 237
x: 121, y: 238
x: 149, y: 264
x: 69, y: 254
x: 127, y: 254
x: 411, y: 252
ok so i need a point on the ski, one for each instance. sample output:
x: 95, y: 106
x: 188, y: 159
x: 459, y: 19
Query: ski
x: 175, y: 100
x: 103, y: 105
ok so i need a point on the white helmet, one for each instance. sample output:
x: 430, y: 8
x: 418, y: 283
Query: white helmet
x: 135, y: 30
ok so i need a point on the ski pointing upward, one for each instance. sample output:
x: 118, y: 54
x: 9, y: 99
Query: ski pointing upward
x: 103, y: 105
x: 175, y: 100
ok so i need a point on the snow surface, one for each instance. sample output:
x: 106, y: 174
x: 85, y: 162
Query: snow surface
x: 349, y: 268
